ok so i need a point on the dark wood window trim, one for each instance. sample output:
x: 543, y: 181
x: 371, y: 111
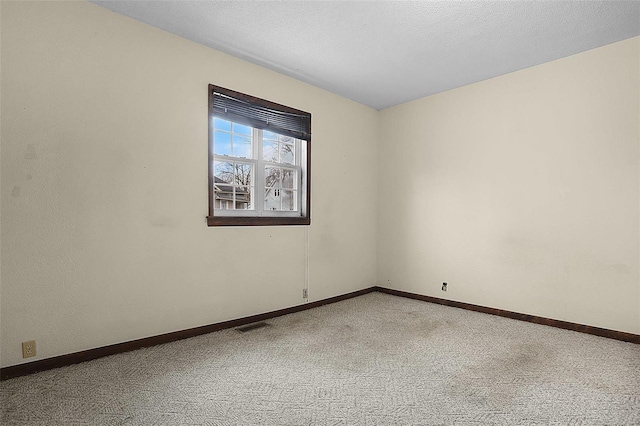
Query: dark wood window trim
x: 256, y: 221
x: 305, y: 135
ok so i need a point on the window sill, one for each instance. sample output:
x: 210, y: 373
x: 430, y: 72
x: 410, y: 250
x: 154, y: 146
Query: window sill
x: 256, y: 221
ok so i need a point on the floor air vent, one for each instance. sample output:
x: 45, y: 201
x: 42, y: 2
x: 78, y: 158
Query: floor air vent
x: 253, y: 326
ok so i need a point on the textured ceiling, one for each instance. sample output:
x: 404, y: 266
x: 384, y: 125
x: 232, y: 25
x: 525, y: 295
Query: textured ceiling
x: 382, y: 53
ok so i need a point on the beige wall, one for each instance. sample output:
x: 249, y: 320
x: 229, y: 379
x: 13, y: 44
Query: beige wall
x: 521, y: 192
x: 104, y: 187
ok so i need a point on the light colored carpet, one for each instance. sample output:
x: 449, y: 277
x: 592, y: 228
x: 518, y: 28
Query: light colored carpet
x: 373, y: 360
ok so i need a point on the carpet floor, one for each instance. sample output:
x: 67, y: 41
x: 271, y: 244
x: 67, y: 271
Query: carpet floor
x: 372, y: 360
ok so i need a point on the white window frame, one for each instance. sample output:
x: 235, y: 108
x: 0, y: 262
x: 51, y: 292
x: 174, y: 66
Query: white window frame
x: 259, y: 183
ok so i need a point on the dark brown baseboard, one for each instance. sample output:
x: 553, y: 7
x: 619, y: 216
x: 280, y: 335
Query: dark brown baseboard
x: 602, y: 332
x: 88, y: 355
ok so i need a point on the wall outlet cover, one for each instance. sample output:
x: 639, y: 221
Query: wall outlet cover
x: 28, y: 349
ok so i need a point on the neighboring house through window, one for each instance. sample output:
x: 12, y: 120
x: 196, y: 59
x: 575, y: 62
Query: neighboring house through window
x: 259, y: 161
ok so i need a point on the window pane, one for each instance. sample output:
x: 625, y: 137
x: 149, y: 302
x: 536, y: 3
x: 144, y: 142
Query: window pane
x: 272, y: 199
x: 270, y: 135
x: 223, y: 189
x: 241, y: 146
x: 288, y: 178
x: 288, y: 200
x: 222, y: 172
x: 270, y: 151
x: 221, y: 143
x: 242, y: 129
x: 243, y: 198
x: 243, y: 175
x: 220, y: 124
x: 287, y: 153
x: 272, y: 176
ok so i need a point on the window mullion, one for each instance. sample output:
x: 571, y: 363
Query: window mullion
x: 259, y: 183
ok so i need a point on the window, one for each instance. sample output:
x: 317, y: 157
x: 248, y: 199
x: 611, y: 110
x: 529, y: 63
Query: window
x: 259, y: 161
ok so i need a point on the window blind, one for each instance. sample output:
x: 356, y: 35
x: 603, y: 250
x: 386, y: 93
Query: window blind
x: 260, y: 113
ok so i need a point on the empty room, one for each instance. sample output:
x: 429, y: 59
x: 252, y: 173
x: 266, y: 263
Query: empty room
x: 319, y: 213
